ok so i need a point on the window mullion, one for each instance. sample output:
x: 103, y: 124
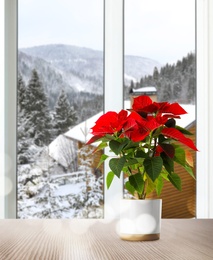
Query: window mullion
x: 113, y: 91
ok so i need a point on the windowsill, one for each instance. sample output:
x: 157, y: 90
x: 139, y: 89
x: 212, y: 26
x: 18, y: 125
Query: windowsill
x: 97, y: 239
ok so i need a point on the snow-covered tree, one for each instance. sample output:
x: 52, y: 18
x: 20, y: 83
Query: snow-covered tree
x: 36, y: 111
x: 22, y: 133
x: 21, y: 89
x: 65, y: 116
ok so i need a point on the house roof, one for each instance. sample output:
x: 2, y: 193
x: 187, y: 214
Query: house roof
x: 81, y: 132
x: 145, y: 90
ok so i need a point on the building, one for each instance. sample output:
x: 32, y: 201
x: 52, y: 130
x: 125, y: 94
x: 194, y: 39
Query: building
x: 145, y: 91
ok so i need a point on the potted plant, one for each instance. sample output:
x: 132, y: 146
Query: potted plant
x: 145, y: 143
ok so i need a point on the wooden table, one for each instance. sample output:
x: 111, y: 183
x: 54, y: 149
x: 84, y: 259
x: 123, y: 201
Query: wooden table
x: 188, y: 239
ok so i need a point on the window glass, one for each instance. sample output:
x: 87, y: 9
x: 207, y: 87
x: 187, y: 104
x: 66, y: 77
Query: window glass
x: 59, y: 97
x: 160, y: 61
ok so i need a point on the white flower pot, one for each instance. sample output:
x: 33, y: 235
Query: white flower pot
x: 140, y: 219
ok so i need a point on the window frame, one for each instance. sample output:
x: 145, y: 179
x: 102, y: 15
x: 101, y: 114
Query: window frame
x: 113, y: 64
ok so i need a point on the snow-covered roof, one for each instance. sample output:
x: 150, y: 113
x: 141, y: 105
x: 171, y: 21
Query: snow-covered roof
x: 145, y: 89
x: 60, y: 149
x: 186, y: 120
x: 81, y: 132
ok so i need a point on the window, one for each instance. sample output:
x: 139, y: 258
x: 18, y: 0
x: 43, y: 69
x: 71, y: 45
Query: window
x: 59, y: 95
x: 113, y: 77
x: 160, y: 61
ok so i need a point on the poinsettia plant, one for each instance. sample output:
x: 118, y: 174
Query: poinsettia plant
x: 145, y: 143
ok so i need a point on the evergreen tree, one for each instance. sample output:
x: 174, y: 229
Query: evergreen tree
x: 155, y: 74
x: 23, y: 155
x: 167, y: 93
x: 132, y: 86
x: 65, y: 116
x: 36, y: 111
x: 191, y: 94
x: 21, y: 89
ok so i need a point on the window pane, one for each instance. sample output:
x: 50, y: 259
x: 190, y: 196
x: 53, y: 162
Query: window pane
x: 160, y: 62
x: 60, y: 95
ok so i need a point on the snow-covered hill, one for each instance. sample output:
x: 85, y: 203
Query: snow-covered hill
x: 80, y: 68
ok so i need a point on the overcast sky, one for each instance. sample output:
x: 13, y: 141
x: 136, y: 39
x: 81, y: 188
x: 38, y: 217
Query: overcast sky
x: 163, y: 30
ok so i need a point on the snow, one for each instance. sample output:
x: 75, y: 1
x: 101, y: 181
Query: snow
x: 74, y: 189
x: 80, y: 197
x: 145, y: 89
x: 54, y: 150
x: 81, y: 132
x: 186, y: 120
x: 60, y: 148
x: 130, y: 78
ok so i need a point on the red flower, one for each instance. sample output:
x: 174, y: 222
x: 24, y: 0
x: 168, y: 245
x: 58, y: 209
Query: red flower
x: 146, y: 105
x: 109, y: 123
x: 177, y: 135
x: 137, y: 128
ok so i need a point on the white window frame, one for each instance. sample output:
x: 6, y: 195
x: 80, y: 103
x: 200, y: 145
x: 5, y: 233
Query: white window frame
x: 113, y: 101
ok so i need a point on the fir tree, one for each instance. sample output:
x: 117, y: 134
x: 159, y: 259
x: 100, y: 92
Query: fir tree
x: 21, y: 89
x: 22, y: 133
x: 155, y: 74
x: 64, y: 114
x: 36, y: 111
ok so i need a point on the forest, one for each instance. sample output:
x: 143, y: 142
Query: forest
x: 174, y: 82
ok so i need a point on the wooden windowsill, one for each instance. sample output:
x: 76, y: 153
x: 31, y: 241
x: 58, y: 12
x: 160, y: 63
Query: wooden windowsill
x: 97, y: 239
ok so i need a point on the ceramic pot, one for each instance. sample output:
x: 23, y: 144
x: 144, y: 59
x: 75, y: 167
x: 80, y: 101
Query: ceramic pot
x: 140, y: 219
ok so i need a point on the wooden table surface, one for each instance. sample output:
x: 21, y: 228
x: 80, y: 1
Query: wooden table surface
x: 188, y: 239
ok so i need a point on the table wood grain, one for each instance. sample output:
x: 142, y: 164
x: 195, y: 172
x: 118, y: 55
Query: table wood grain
x: 78, y: 239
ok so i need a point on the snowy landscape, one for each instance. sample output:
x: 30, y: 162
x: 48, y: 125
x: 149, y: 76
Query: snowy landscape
x: 60, y: 96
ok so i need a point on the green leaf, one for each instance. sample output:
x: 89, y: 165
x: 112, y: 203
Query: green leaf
x: 109, y: 179
x: 116, y: 165
x: 116, y: 146
x: 153, y: 167
x: 107, y: 138
x: 175, y: 180
x: 141, y: 154
x: 101, y: 146
x: 183, y: 130
x: 180, y: 156
x: 165, y: 174
x: 131, y: 145
x: 159, y: 185
x: 102, y: 159
x: 131, y: 162
x: 150, y: 185
x: 137, y: 182
x: 130, y: 188
x: 189, y: 170
x: 168, y: 163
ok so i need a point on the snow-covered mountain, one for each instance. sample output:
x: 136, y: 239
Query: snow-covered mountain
x: 50, y: 76
x: 77, y: 67
x: 137, y: 67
